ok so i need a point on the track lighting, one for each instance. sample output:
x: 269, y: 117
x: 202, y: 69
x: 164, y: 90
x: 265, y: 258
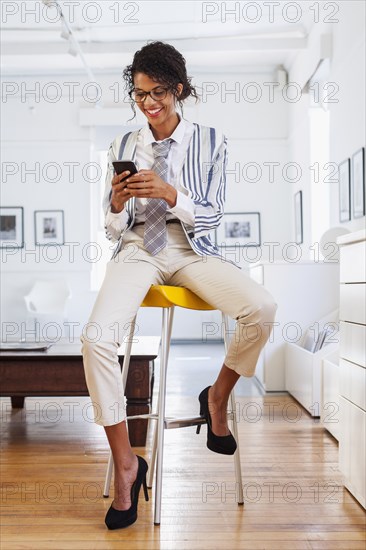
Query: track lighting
x: 65, y: 33
x: 72, y: 49
x: 74, y: 46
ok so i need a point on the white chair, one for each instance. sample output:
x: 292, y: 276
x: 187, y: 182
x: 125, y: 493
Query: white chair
x: 47, y: 300
x: 167, y: 298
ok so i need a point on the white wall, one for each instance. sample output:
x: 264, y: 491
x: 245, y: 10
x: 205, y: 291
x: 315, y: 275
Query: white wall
x: 48, y: 135
x: 347, y: 117
x: 347, y: 113
x: 51, y: 132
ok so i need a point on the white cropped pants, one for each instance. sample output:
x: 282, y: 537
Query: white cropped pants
x: 127, y: 280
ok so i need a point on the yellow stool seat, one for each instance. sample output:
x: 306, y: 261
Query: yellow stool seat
x: 169, y: 296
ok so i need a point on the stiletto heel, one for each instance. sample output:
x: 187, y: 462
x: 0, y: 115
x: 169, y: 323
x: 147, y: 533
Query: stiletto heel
x: 118, y: 519
x: 225, y: 444
x: 145, y: 489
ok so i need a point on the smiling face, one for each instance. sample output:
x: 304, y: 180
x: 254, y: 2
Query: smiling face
x: 160, y: 113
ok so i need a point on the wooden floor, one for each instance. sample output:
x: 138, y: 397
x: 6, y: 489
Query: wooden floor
x: 53, y: 465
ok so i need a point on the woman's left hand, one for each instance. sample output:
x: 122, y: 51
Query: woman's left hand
x: 146, y: 184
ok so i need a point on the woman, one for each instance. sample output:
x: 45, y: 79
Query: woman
x: 161, y: 218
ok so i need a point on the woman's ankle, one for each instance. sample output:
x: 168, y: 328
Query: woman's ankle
x: 127, y: 464
x: 219, y: 398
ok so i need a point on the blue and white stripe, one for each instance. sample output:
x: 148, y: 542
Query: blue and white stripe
x: 203, y: 176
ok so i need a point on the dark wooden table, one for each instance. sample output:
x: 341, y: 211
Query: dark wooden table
x: 59, y: 371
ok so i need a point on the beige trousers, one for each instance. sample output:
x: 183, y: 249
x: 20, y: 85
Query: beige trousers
x: 127, y: 280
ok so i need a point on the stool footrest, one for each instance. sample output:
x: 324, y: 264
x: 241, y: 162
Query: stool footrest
x: 170, y: 423
x: 175, y: 422
x: 184, y: 422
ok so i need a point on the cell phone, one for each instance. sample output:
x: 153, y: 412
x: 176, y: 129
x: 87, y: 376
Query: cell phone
x: 124, y: 165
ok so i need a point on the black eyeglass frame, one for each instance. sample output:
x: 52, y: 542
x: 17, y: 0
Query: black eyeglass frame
x: 151, y: 94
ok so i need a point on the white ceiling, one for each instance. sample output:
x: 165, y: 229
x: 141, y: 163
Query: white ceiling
x: 32, y: 44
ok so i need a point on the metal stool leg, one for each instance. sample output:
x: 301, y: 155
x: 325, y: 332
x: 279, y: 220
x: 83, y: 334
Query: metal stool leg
x: 238, y: 476
x: 125, y: 367
x: 108, y: 476
x: 155, y: 433
x: 161, y: 413
x: 150, y: 474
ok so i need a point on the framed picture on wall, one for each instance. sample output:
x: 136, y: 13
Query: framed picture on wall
x: 239, y: 229
x: 358, y: 183
x: 11, y: 227
x: 299, y: 236
x: 49, y: 227
x: 345, y: 191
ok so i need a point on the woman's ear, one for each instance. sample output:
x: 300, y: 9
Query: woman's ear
x: 179, y: 90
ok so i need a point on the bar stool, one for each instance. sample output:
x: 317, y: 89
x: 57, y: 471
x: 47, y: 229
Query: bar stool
x: 168, y: 297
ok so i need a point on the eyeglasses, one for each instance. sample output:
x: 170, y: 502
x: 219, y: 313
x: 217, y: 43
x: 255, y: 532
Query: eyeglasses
x: 157, y: 94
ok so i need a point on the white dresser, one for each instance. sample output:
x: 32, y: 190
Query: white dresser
x: 352, y: 399
x: 305, y: 292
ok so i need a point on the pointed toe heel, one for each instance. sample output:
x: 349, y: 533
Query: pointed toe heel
x: 225, y: 444
x: 119, y: 519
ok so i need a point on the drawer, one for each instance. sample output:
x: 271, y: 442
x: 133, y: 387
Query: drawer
x: 353, y: 342
x: 352, y: 383
x: 353, y: 263
x: 330, y: 398
x: 352, y: 303
x: 352, y: 441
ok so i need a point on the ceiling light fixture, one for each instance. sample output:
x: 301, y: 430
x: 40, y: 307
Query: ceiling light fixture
x: 67, y: 34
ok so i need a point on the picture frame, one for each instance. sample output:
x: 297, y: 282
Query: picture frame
x: 358, y: 184
x: 298, y: 216
x: 239, y: 229
x: 344, y: 171
x: 11, y: 227
x: 49, y: 227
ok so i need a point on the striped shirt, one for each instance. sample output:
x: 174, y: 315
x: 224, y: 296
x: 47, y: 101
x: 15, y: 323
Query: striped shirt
x: 203, y: 176
x: 184, y: 208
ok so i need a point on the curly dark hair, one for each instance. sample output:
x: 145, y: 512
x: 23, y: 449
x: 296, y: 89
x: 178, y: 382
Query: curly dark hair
x: 161, y: 62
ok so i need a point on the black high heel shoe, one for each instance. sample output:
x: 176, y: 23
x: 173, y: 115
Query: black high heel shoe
x: 118, y: 519
x: 224, y: 444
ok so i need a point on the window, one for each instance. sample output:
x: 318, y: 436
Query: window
x: 322, y: 172
x: 103, y: 136
x: 104, y: 246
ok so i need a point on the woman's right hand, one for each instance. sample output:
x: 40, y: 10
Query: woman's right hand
x: 120, y: 193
